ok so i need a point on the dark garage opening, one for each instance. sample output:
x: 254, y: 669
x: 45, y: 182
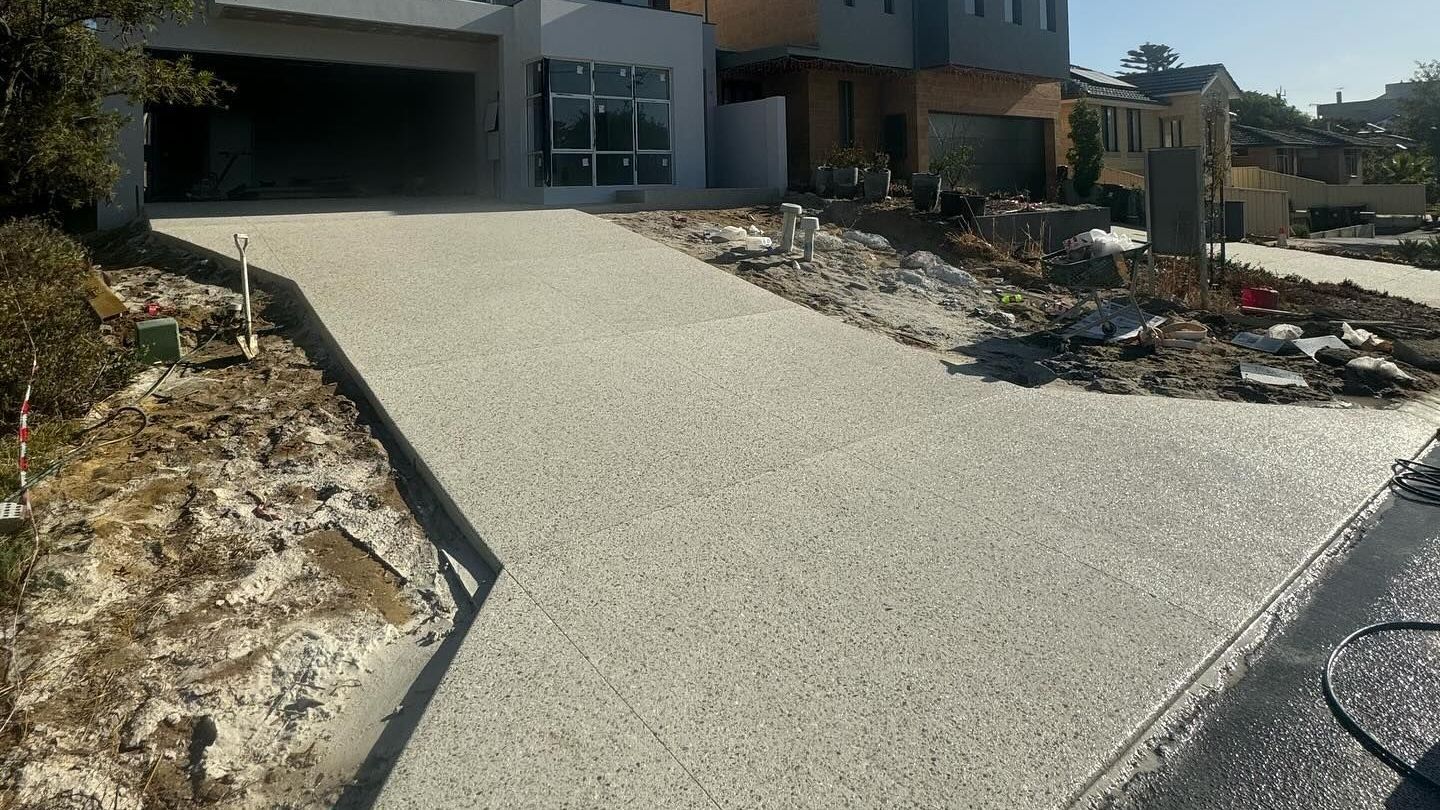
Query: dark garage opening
x: 294, y: 130
x: 1009, y: 151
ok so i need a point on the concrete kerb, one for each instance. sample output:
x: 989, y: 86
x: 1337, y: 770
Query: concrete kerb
x: 351, y: 379
x: 1211, y: 674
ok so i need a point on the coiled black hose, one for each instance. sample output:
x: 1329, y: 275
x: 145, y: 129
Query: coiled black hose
x: 1418, y: 480
x: 1395, y: 761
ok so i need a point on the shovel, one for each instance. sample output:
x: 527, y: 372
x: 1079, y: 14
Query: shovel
x: 249, y: 346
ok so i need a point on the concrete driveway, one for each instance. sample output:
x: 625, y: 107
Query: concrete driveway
x: 756, y: 557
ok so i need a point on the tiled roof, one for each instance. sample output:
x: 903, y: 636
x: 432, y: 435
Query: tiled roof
x: 1303, y: 137
x: 1176, y: 80
x: 1085, y: 82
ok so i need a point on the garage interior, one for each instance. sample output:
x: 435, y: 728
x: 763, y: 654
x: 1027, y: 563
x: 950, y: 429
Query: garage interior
x: 295, y: 130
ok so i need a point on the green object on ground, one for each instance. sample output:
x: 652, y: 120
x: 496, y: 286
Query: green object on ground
x: 157, y: 341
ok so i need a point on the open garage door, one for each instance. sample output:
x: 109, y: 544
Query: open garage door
x: 293, y: 129
x: 1009, y: 152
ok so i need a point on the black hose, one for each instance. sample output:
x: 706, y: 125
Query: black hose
x: 133, y: 407
x: 1420, y: 481
x: 1398, y: 763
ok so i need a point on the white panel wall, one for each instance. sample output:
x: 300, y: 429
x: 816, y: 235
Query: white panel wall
x: 749, y: 149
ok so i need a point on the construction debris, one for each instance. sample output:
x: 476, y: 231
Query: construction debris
x: 1265, y: 375
x: 998, y: 312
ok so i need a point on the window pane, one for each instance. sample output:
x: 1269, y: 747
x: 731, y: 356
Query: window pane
x: 537, y: 123
x: 653, y: 169
x: 612, y: 80
x: 614, y: 124
x: 571, y: 170
x: 653, y: 121
x: 614, y: 170
x: 537, y: 169
x: 569, y: 77
x: 571, y: 124
x: 652, y: 83
x: 533, y: 72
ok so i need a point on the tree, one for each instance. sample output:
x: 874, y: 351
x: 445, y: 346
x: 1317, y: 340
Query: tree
x: 1420, y: 112
x: 1087, y: 151
x: 60, y: 61
x: 1398, y: 166
x: 1268, y: 111
x: 1151, y: 58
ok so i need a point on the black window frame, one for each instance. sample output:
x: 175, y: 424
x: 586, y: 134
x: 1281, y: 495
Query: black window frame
x: 1135, y: 130
x: 648, y: 86
x: 1110, y: 128
x: 847, y: 113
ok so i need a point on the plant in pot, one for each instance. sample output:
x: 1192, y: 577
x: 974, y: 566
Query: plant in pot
x: 877, y: 177
x: 848, y: 161
x: 824, y: 180
x: 953, y: 165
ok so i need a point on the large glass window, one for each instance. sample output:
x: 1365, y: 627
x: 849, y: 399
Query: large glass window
x: 570, y: 119
x: 600, y: 124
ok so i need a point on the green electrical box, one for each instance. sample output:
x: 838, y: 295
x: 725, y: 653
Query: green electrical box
x: 157, y: 341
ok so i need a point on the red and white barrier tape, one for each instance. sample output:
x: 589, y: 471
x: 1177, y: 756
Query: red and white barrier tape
x: 24, y: 459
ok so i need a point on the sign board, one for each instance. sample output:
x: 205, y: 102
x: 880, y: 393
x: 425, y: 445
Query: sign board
x: 1175, y: 194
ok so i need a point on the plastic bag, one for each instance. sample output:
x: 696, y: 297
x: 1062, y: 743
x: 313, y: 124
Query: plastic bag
x: 1377, y: 367
x: 1360, y: 338
x: 1096, y: 243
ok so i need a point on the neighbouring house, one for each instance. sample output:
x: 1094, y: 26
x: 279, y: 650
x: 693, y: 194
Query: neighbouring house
x: 1330, y: 157
x: 1381, y: 110
x: 907, y: 77
x: 531, y: 101
x: 1144, y: 111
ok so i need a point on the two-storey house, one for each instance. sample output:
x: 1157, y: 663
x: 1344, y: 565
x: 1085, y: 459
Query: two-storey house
x: 907, y: 77
x: 530, y: 101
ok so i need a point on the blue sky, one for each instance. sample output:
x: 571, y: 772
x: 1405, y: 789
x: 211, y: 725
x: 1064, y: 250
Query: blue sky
x: 1309, y: 47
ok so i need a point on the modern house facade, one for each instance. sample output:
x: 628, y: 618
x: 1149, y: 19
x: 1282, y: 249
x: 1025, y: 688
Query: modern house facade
x: 1140, y: 112
x: 906, y: 77
x: 529, y: 101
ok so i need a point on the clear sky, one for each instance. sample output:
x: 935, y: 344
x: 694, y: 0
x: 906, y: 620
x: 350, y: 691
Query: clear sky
x: 1310, y: 48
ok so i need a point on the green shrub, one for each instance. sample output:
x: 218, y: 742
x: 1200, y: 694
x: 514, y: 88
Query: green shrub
x: 1087, y: 150
x: 42, y: 273
x: 1410, y: 251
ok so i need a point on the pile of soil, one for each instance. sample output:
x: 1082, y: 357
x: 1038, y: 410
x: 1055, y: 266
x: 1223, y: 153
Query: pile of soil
x: 1006, y: 326
x: 229, y: 602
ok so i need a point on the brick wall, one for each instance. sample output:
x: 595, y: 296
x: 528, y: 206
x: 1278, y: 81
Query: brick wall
x: 813, y: 110
x: 943, y: 90
x: 1122, y: 159
x: 746, y: 25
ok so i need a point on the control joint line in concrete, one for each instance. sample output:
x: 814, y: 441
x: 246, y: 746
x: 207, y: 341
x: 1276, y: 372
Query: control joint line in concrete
x: 593, y: 668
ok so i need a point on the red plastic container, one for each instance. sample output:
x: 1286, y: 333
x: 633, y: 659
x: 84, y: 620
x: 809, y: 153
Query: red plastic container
x: 1260, y: 298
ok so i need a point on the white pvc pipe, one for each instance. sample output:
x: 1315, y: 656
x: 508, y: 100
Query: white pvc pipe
x: 792, y: 214
x: 810, y: 225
